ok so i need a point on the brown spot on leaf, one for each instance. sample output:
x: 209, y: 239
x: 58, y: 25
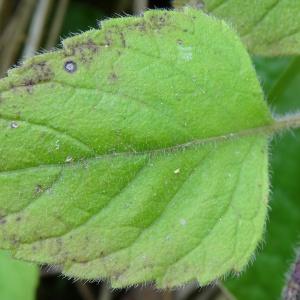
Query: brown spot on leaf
x: 84, y: 50
x: 39, y: 189
x: 42, y: 72
x: 29, y: 83
x: 15, y: 241
x: 160, y: 21
x: 141, y: 26
x: 113, y: 77
x: 12, y: 87
x: 2, y: 220
x: 108, y: 41
x: 123, y: 40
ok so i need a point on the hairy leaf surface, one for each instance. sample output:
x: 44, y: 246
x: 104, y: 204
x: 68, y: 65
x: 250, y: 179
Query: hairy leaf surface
x: 267, y: 27
x: 18, y: 280
x: 282, y: 234
x: 136, y: 153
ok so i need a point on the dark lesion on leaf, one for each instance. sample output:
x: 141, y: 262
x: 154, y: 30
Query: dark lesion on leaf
x: 160, y: 21
x: 108, y: 40
x: 12, y: 87
x: 29, y: 83
x: 70, y: 66
x: 123, y: 40
x: 2, y: 220
x: 117, y: 32
x: 112, y: 33
x: 42, y: 72
x: 39, y: 189
x: 15, y: 241
x: 18, y: 218
x: 113, y: 77
x: 89, y: 44
x: 141, y: 26
x: 85, y: 51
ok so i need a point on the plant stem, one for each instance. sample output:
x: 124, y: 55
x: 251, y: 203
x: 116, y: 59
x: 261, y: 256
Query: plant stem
x: 286, y: 122
x: 292, y: 287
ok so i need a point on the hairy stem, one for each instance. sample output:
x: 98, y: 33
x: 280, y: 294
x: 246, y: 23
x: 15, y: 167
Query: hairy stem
x: 288, y: 121
x: 292, y: 288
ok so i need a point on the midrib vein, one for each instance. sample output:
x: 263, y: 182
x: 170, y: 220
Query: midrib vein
x: 279, y: 124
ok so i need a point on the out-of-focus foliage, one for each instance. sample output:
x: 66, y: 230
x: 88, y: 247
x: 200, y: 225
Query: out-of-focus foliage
x: 18, y: 280
x: 267, y: 27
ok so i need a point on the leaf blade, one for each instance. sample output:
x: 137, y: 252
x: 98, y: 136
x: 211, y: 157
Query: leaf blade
x: 253, y: 23
x: 99, y: 142
x: 283, y: 225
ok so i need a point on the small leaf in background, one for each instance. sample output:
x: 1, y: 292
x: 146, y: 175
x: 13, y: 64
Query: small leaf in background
x: 268, y: 27
x: 18, y: 280
x: 265, y: 279
x: 270, y: 70
x: 132, y: 138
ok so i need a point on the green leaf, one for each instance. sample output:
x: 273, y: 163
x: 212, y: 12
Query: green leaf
x: 282, y: 232
x: 18, y: 280
x: 270, y: 70
x: 136, y: 153
x: 267, y: 27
